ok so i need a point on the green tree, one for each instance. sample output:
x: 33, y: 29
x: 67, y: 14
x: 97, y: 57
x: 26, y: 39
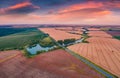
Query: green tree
x: 60, y: 42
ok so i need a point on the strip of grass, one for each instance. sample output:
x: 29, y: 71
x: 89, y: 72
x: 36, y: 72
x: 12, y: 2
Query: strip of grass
x: 85, y: 36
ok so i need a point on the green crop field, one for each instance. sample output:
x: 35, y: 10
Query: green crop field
x: 117, y: 37
x: 21, y: 39
x: 9, y: 31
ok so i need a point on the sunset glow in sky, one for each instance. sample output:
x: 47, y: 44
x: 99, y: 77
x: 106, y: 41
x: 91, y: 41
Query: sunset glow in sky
x: 60, y: 12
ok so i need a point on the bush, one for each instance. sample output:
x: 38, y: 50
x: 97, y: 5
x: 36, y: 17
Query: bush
x: 85, y: 41
x: 42, y: 51
x: 60, y: 42
x: 67, y: 41
x: 28, y: 54
x: 47, y: 42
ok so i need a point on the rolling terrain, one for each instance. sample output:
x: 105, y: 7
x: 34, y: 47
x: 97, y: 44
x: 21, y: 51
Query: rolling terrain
x: 102, y: 49
x: 55, y: 64
x: 21, y: 39
x: 59, y: 34
x: 99, y: 49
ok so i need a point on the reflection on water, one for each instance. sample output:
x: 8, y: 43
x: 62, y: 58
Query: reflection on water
x: 33, y: 50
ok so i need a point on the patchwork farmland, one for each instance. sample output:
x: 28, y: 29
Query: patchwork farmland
x: 18, y: 38
x: 99, y: 34
x: 59, y: 34
x: 6, y: 55
x: 60, y: 64
x: 102, y: 49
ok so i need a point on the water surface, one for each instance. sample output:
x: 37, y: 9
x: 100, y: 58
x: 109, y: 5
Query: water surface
x: 33, y: 50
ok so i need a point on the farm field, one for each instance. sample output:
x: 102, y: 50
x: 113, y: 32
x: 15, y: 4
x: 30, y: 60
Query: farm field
x: 60, y: 64
x: 70, y: 29
x: 8, y: 31
x: 6, y: 55
x: 58, y: 34
x: 114, y: 33
x: 94, y: 29
x: 99, y: 34
x: 21, y: 39
x: 102, y: 49
x: 65, y: 29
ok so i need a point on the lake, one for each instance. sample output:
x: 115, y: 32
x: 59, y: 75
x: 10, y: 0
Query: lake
x: 33, y: 50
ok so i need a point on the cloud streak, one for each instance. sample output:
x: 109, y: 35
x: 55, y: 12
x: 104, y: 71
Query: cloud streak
x: 21, y: 8
x: 60, y: 11
x: 84, y: 11
x: 80, y: 6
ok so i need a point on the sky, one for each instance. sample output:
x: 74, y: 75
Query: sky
x: 102, y: 12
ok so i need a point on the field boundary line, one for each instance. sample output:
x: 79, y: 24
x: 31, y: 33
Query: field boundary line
x: 9, y: 57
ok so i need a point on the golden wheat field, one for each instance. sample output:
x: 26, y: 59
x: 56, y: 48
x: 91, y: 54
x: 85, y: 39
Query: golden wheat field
x: 102, y: 49
x: 58, y: 34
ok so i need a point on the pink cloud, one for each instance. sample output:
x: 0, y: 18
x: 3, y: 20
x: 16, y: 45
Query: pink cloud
x: 21, y: 8
x: 80, y: 6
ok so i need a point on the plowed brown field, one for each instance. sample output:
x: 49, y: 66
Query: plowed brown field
x: 6, y: 55
x: 55, y: 64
